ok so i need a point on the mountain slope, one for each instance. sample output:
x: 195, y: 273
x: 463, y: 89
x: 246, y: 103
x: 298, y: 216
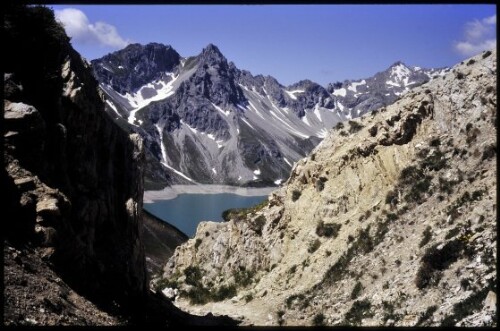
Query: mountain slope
x: 389, y: 221
x: 206, y: 121
x: 358, y: 97
x: 72, y: 184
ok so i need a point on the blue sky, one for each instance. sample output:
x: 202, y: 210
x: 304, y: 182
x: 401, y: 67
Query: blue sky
x: 323, y: 43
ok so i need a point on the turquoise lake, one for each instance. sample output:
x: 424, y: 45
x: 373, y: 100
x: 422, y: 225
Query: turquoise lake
x: 187, y: 210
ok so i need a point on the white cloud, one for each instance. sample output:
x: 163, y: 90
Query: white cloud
x: 479, y: 35
x: 79, y: 28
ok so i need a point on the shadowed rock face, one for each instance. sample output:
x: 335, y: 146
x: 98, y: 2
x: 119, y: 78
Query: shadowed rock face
x: 76, y: 176
x: 73, y: 181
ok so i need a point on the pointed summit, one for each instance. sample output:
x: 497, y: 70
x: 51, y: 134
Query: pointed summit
x: 212, y: 55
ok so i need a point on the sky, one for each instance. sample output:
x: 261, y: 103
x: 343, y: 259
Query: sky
x: 323, y: 43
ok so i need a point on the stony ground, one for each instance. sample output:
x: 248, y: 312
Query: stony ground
x: 37, y: 296
x: 390, y: 221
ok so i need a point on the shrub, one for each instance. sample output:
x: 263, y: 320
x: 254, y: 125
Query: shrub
x: 452, y: 233
x: 427, y: 235
x: 296, y: 195
x: 436, y: 161
x: 354, y: 126
x: 197, y: 243
x: 319, y: 319
x: 198, y: 295
x: 248, y: 297
x: 327, y: 230
x: 313, y: 246
x: 391, y: 197
x: 280, y: 314
x: 193, y: 275
x: 435, y: 142
x: 224, y: 292
x: 486, y: 54
x: 339, y: 126
x: 373, y: 130
x: 358, y: 311
x: 417, y: 189
x: 466, y: 307
x: 435, y: 260
x: 294, y: 298
x: 258, y: 224
x: 356, y: 291
x: 243, y: 277
x: 320, y: 184
x: 489, y: 152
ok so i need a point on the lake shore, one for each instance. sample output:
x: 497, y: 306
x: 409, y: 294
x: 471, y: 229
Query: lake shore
x: 173, y: 191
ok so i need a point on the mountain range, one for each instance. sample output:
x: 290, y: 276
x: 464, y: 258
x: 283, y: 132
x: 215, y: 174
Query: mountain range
x: 204, y: 120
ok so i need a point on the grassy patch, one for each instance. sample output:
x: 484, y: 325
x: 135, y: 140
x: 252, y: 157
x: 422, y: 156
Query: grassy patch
x: 242, y: 213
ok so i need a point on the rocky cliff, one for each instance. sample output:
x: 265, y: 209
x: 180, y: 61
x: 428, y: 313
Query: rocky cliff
x: 74, y: 178
x: 391, y: 220
x: 73, y: 185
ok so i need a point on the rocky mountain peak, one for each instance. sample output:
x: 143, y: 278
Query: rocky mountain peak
x: 211, y: 55
x: 127, y: 70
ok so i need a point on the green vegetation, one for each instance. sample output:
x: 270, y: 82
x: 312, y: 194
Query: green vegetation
x: 427, y: 235
x: 199, y: 294
x: 258, y: 224
x: 320, y: 184
x: 313, y: 246
x: 297, y: 299
x: 467, y: 307
x: 330, y: 230
x: 435, y: 260
x: 240, y: 214
x: 426, y: 315
x: 243, y: 277
x: 356, y: 291
x: 358, y: 311
x: 193, y: 275
x: 319, y: 319
x: 489, y: 152
x: 280, y: 314
x: 354, y: 126
x: 465, y: 198
x: 296, y: 195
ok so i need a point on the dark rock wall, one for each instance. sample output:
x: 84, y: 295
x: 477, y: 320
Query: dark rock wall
x: 73, y: 177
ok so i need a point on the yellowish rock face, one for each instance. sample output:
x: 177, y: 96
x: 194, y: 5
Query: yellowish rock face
x: 389, y: 221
